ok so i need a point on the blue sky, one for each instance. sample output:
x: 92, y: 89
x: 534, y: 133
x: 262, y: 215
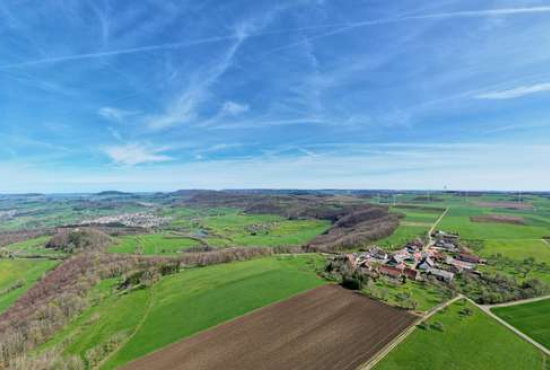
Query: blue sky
x: 162, y: 95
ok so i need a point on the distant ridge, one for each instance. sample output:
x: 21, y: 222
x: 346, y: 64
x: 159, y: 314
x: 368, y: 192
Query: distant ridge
x: 113, y: 192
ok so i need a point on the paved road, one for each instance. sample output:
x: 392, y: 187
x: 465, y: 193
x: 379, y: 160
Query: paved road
x: 401, y: 337
x: 487, y: 310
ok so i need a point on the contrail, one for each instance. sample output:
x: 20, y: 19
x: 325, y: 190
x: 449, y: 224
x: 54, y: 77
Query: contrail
x: 138, y: 49
x: 409, y: 18
x: 343, y: 28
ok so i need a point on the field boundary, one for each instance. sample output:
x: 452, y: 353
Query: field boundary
x: 401, y: 337
x: 321, y: 304
x: 487, y: 311
x: 221, y: 324
x: 150, y: 294
x: 516, y: 303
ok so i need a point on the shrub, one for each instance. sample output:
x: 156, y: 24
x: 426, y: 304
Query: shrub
x: 438, y: 325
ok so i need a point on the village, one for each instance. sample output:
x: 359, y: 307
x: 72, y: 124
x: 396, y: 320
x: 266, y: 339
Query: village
x: 441, y: 258
x: 141, y: 219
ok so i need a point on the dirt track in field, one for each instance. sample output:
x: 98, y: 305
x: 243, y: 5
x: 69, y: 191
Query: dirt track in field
x: 328, y: 328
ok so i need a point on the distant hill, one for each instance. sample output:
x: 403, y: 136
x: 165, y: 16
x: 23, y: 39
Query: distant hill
x: 113, y: 193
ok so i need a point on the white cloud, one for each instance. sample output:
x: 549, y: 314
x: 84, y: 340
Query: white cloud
x: 115, y: 114
x: 460, y: 166
x: 134, y: 154
x: 233, y: 108
x: 517, y: 92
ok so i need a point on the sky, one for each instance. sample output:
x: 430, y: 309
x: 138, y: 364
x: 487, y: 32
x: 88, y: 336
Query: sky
x: 358, y: 94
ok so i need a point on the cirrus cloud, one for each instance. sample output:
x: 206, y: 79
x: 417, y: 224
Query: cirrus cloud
x: 517, y: 92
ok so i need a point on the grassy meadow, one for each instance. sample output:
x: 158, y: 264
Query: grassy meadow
x: 34, y: 247
x: 530, y: 318
x: 463, y: 342
x: 425, y: 295
x: 219, y: 228
x: 518, y: 249
x: 153, y: 244
x: 183, y: 304
x: 18, y: 275
x: 416, y: 224
x: 458, y: 220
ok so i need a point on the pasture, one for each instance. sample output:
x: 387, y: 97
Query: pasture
x: 416, y: 224
x: 515, y: 234
x: 182, y: 305
x: 153, y: 244
x: 241, y: 229
x: 34, y: 247
x: 458, y: 219
x: 18, y: 275
x: 226, y: 227
x: 530, y: 318
x: 518, y: 249
x: 462, y: 341
x: 425, y: 295
x: 324, y: 329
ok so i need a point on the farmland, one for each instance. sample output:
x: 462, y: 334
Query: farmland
x: 153, y: 244
x: 459, y: 219
x: 33, y: 247
x: 221, y: 227
x: 151, y: 319
x: 218, y: 263
x: 518, y: 249
x: 17, y: 276
x: 327, y: 328
x: 416, y: 224
x: 529, y: 318
x: 425, y: 295
x: 454, y: 340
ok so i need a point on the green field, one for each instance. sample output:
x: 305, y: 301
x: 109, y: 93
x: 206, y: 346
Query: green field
x: 465, y: 342
x: 18, y: 275
x: 458, y: 220
x: 425, y: 295
x: 151, y: 244
x: 240, y: 229
x: 184, y: 304
x: 518, y: 249
x: 34, y: 247
x: 532, y: 319
x: 416, y: 224
x: 225, y: 227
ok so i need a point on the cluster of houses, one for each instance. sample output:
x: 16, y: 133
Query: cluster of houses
x: 442, y: 259
x: 141, y: 219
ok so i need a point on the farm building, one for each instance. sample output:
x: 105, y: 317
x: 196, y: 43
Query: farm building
x: 470, y: 258
x: 442, y: 275
x: 391, y: 272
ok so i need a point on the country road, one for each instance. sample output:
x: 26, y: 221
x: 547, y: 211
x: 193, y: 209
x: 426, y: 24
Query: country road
x: 400, y: 338
x: 430, y: 232
x: 487, y: 310
x: 515, y: 303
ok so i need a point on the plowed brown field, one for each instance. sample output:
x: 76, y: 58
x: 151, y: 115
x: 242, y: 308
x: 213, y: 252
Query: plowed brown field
x: 326, y: 328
